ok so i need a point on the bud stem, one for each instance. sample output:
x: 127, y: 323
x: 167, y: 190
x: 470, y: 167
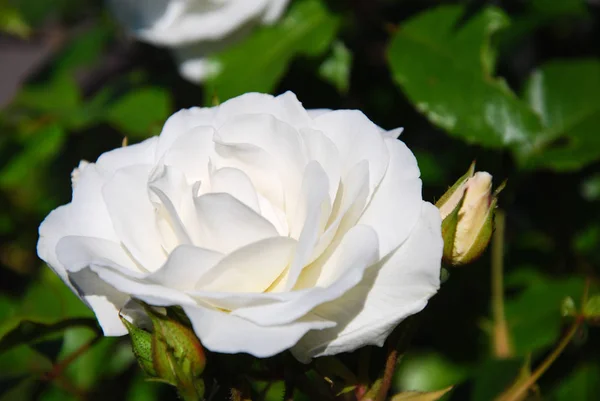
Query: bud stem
x: 500, y: 336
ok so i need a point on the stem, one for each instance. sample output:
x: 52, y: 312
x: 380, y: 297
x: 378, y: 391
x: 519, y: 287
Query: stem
x: 517, y: 392
x: 501, y: 343
x: 388, y: 374
x: 57, y: 369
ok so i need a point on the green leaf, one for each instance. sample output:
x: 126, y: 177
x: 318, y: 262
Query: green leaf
x: 581, y: 385
x: 590, y: 188
x: 143, y: 390
x: 12, y: 22
x: 257, y: 63
x: 141, y: 112
x: 447, y: 74
x: 534, y: 315
x: 427, y: 372
x: 591, y: 310
x: 492, y: 377
x: 566, y: 95
x: 336, y: 68
x: 58, y: 96
x: 560, y: 8
x: 42, y: 147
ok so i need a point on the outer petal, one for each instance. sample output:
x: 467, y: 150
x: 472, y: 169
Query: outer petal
x: 394, y: 208
x: 182, y: 123
x: 274, y: 10
x: 223, y: 332
x: 285, y: 107
x: 397, y: 287
x: 86, y: 215
x: 139, y: 153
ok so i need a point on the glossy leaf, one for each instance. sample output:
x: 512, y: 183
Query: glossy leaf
x: 566, y: 95
x: 448, y: 75
x: 257, y: 63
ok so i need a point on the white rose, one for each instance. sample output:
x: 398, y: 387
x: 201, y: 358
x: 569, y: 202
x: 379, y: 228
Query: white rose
x: 195, y: 28
x: 270, y: 228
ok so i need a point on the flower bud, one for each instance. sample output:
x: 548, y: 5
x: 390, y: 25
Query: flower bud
x: 171, y: 353
x: 467, y: 211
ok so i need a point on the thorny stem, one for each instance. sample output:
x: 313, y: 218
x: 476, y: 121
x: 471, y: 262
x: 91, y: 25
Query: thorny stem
x: 500, y: 337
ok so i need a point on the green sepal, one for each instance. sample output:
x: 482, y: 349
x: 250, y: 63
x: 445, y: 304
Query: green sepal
x: 461, y: 181
x: 141, y: 342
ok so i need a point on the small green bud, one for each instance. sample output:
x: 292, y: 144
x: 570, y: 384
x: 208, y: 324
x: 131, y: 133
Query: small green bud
x: 467, y: 211
x: 141, y: 342
x: 171, y: 353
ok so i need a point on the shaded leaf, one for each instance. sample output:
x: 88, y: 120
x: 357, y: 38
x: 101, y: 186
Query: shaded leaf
x: 566, y: 95
x: 141, y: 112
x: 534, y: 315
x: 591, y: 310
x: 447, y: 74
x: 257, y: 63
x: 29, y: 332
x: 581, y: 385
x: 492, y: 377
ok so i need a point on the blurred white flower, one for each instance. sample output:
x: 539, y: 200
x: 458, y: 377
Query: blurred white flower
x: 195, y: 28
x: 272, y: 227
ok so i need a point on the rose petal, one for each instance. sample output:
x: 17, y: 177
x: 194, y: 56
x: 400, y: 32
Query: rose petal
x: 185, y: 266
x: 252, y: 268
x: 132, y: 215
x: 358, y: 250
x: 139, y: 153
x: 222, y: 332
x: 397, y: 287
x: 285, y: 107
x: 196, y: 119
x: 197, y: 21
x: 105, y: 301
x: 356, y: 139
x: 236, y: 183
x: 279, y: 140
x: 86, y: 215
x: 227, y: 224
x: 394, y: 208
x: 311, y: 215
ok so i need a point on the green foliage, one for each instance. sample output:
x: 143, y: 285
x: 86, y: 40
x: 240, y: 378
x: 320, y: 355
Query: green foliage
x: 534, y: 315
x: 141, y: 113
x: 336, y: 68
x: 566, y: 96
x: 257, y: 63
x: 435, y: 65
x: 554, y: 126
x: 518, y: 89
